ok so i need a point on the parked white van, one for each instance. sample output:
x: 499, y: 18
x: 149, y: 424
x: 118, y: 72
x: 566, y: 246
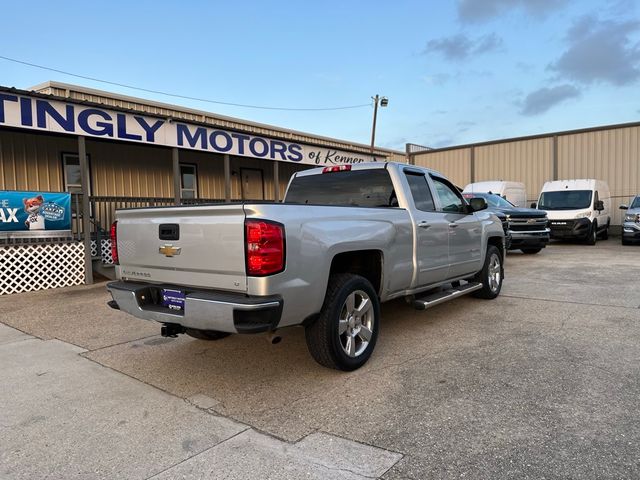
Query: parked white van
x: 577, y: 209
x: 514, y: 192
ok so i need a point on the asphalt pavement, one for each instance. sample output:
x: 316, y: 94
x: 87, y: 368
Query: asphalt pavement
x: 542, y: 382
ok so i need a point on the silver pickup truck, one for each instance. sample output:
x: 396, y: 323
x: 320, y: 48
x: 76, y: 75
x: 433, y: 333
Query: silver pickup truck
x: 345, y: 239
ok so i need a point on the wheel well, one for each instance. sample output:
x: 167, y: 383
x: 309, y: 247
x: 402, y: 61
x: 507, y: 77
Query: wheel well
x: 498, y: 243
x: 366, y: 263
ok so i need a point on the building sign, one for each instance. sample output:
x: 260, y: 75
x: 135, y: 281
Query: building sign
x: 61, y: 117
x: 34, y: 213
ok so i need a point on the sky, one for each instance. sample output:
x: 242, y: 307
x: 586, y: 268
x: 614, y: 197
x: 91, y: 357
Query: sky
x: 455, y: 72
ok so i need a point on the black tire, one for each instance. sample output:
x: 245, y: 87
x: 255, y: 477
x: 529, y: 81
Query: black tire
x: 206, y: 334
x: 324, y: 340
x: 488, y: 291
x: 625, y: 241
x: 592, y: 238
x: 530, y: 251
x: 605, y: 233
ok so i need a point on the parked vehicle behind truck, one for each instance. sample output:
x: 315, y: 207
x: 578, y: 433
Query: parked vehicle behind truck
x: 528, y: 228
x: 631, y: 225
x: 513, y: 192
x: 345, y: 239
x: 577, y: 209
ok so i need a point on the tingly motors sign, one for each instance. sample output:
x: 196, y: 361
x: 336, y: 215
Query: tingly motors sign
x: 31, y: 213
x: 61, y: 117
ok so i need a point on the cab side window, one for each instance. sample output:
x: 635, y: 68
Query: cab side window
x: 420, y: 191
x: 450, y: 200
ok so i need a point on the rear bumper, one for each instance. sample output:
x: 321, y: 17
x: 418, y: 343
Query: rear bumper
x: 203, y: 309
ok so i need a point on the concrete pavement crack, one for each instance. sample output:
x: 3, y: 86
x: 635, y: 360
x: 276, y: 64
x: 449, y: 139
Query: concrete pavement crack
x: 197, y: 454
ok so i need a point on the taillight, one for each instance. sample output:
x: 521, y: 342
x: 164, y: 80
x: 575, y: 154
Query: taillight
x: 265, y: 247
x: 114, y: 242
x: 337, y: 168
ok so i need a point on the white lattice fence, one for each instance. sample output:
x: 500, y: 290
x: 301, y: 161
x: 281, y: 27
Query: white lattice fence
x: 25, y: 268
x: 105, y: 250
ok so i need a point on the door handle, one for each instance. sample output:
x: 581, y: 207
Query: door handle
x: 423, y: 224
x: 453, y: 225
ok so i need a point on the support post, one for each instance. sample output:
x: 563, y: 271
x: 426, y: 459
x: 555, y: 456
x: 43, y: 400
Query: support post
x: 472, y: 164
x: 177, y: 184
x: 276, y: 181
x: 86, y: 211
x: 227, y: 178
x: 554, y: 157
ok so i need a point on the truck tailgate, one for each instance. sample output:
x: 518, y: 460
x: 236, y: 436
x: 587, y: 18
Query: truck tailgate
x: 203, y: 246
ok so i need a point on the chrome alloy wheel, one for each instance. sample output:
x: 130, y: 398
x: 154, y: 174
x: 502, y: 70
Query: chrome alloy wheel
x: 494, y: 273
x: 356, y: 323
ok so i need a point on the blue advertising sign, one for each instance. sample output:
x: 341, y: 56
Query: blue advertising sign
x: 34, y: 212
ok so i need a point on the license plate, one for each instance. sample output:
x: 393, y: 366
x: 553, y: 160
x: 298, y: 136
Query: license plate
x: 172, y: 299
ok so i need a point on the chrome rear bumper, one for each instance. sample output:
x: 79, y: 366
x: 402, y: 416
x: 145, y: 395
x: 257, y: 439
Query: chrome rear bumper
x: 203, y: 309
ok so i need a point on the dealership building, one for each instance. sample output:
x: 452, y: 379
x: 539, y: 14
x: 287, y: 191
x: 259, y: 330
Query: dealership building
x: 610, y: 153
x: 138, y: 153
x: 93, y: 151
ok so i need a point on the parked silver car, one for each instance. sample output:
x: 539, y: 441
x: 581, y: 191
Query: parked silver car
x: 631, y: 226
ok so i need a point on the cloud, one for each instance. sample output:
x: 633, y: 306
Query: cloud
x: 600, y: 51
x: 438, y: 79
x: 460, y: 47
x: 543, y: 99
x: 473, y: 11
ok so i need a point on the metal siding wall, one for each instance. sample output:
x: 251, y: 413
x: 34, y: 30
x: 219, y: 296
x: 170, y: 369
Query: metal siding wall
x: 609, y: 155
x: 454, y: 164
x: 210, y: 168
x: 119, y: 169
x: 32, y: 161
x: 527, y: 161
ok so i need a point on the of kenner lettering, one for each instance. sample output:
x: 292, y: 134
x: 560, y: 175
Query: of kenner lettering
x: 56, y: 116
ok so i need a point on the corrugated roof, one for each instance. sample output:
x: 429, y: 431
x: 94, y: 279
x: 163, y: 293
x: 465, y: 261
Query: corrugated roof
x: 155, y: 108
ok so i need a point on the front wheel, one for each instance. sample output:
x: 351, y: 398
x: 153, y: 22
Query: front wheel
x: 344, y: 335
x: 491, y: 275
x: 592, y: 238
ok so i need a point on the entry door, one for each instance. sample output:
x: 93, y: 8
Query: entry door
x: 431, y: 230
x: 252, y: 184
x: 465, y: 239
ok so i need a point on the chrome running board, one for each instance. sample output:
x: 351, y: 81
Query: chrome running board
x: 445, y: 295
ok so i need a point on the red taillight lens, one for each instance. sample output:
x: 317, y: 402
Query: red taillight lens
x: 265, y: 247
x: 337, y: 168
x: 114, y: 242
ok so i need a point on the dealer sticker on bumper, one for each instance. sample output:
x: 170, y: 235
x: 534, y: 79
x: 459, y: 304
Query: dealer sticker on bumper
x: 173, y: 299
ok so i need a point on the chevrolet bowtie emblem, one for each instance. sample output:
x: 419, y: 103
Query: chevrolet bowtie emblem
x: 532, y: 220
x: 169, y: 250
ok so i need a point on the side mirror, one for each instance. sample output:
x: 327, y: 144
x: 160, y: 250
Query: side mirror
x: 534, y: 205
x: 624, y: 207
x: 599, y: 205
x: 476, y: 204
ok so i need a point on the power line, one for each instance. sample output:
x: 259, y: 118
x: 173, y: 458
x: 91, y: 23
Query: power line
x: 159, y: 92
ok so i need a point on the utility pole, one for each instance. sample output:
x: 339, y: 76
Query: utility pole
x: 384, y: 101
x: 375, y: 116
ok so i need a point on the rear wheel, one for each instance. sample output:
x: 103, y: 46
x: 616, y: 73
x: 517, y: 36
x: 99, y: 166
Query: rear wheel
x: 605, y: 233
x: 206, y: 334
x: 344, y: 335
x: 491, y: 275
x: 530, y: 251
